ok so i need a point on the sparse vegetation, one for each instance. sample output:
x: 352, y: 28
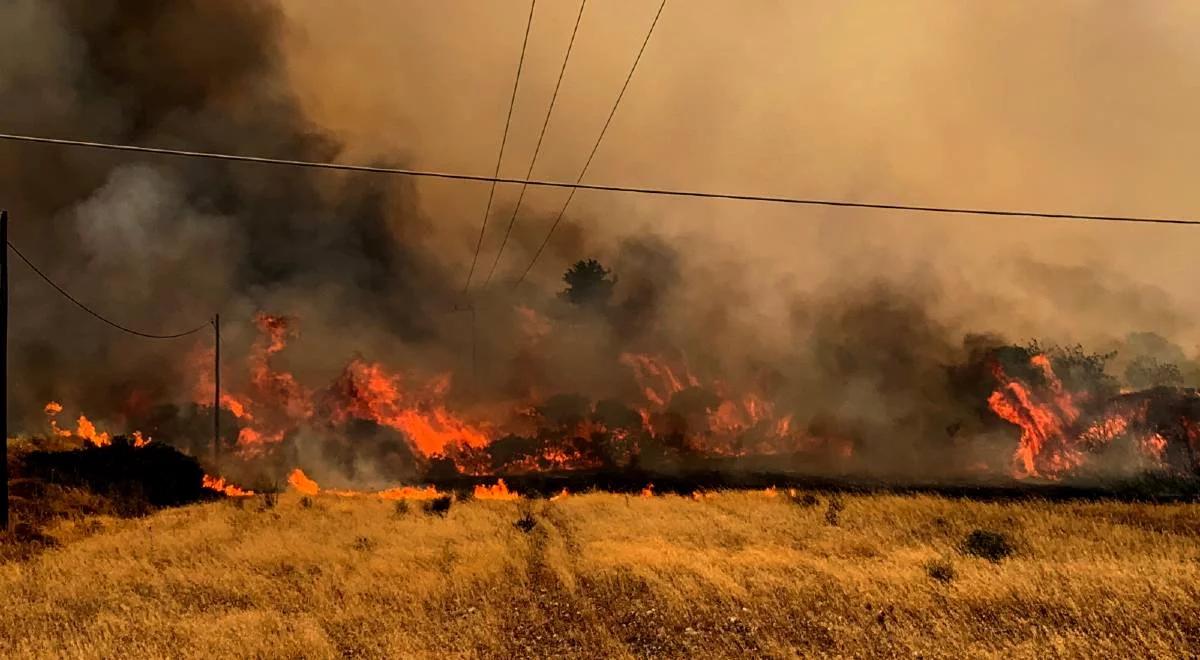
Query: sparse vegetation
x: 400, y: 508
x: 267, y: 501
x: 986, y: 544
x: 833, y: 511
x: 736, y: 575
x: 438, y: 506
x: 805, y: 500
x: 306, y: 502
x: 940, y: 569
x: 526, y: 522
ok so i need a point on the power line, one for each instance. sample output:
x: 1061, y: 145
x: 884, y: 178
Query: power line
x: 503, y: 140
x: 600, y: 187
x: 538, y: 148
x: 595, y: 147
x: 89, y: 310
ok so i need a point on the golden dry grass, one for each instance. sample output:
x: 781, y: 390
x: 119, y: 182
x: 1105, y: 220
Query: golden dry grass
x: 735, y: 575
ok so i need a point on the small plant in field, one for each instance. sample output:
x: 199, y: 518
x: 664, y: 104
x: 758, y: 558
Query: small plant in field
x: 986, y: 544
x: 438, y: 506
x: 400, y: 508
x: 805, y: 500
x: 363, y: 543
x: 268, y: 501
x: 834, y: 510
x: 306, y: 502
x: 941, y: 570
x: 526, y: 522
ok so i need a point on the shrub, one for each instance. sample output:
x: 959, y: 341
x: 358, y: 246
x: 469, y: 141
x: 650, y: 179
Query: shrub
x: 306, y: 502
x: 986, y: 544
x: 526, y: 522
x: 834, y: 510
x: 268, y: 501
x: 400, y: 508
x: 363, y: 543
x: 941, y: 570
x: 438, y: 506
x: 805, y: 500
x: 156, y: 473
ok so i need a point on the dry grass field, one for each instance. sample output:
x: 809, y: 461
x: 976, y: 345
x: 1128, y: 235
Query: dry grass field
x: 601, y: 575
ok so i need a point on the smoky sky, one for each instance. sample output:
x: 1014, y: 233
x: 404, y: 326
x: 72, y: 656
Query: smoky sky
x: 1076, y: 106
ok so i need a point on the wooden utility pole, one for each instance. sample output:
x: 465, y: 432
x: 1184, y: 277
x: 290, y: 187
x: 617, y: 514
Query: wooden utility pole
x: 4, y: 367
x: 216, y: 390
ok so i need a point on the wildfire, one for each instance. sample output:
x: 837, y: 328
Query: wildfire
x: 1044, y: 448
x: 306, y: 486
x: 274, y: 404
x: 86, y: 430
x: 498, y: 491
x: 367, y: 391
x: 409, y: 493
x: 225, y: 488
x: 1057, y: 435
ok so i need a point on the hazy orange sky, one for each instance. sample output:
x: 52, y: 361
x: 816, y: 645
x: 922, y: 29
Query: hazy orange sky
x: 1078, y: 106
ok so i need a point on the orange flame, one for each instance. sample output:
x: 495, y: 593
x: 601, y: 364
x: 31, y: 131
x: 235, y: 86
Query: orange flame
x: 409, y: 493
x: 225, y: 488
x: 306, y: 486
x: 86, y: 430
x: 367, y: 391
x: 1044, y: 449
x: 499, y: 491
x: 300, y: 481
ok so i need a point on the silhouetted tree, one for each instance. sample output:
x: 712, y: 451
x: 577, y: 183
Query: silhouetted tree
x: 588, y: 284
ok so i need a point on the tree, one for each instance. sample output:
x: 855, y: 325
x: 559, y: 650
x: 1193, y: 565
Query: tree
x: 589, y: 284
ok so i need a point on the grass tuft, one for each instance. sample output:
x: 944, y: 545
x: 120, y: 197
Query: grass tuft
x: 438, y: 506
x: 833, y: 511
x: 987, y: 544
x: 941, y: 570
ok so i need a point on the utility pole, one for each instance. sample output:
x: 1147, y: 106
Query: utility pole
x: 4, y: 367
x: 216, y: 390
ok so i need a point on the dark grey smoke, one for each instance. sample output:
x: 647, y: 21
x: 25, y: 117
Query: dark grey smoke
x: 161, y: 244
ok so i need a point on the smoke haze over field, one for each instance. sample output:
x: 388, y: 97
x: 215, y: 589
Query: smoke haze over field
x: 853, y: 315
